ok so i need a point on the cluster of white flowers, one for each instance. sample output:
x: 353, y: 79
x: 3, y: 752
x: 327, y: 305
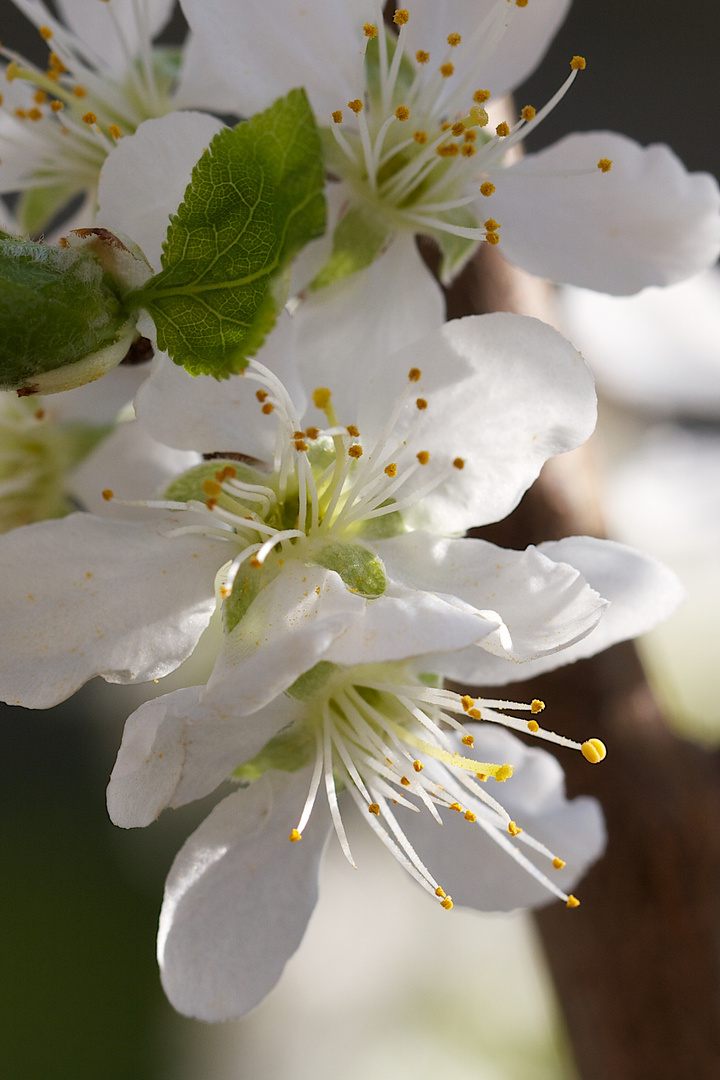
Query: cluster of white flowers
x: 319, y: 501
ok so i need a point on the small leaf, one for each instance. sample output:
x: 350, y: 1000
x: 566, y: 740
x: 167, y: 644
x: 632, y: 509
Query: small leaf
x: 357, y: 241
x: 361, y: 571
x: 254, y: 200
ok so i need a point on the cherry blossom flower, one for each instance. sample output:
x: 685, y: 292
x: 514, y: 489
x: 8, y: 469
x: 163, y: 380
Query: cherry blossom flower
x: 409, y: 137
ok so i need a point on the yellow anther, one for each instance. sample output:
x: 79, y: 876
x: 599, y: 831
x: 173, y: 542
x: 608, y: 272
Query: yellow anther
x: 414, y: 374
x: 536, y: 705
x: 447, y: 904
x: 355, y: 451
x: 572, y: 901
x: 369, y: 30
x: 45, y: 32
x: 487, y: 188
x: 355, y: 106
x: 312, y: 432
x: 79, y: 91
x: 446, y: 70
x: 267, y: 408
x: 34, y: 113
x: 481, y: 776
x: 471, y: 135
x: 421, y: 403
x: 211, y: 503
x: 492, y: 237
x: 468, y: 740
x: 402, y: 112
x: 404, y: 781
x: 481, y: 96
x: 504, y: 773
x: 108, y: 494
x: 352, y: 430
x: 440, y: 892
x: 337, y: 116
x: 227, y: 471
x: 458, y: 129
x: 391, y: 470
x: 503, y: 129
x: 294, y: 836
x: 261, y: 395
x: 301, y: 446
x: 445, y: 126
x: 478, y: 117
x: 401, y: 16
x: 373, y: 808
x: 467, y: 149
x: 533, y: 726
x: 20, y: 113
x: 11, y: 71
x: 420, y: 137
x: 528, y: 113
x: 604, y: 164
x: 492, y: 225
x: 56, y: 106
x: 255, y: 563
x: 459, y: 463
x: 422, y: 57
x: 558, y: 864
x: 321, y: 397
x: 449, y: 150
x: 467, y: 702
x: 211, y: 487
x: 456, y: 806
x: 474, y: 714
x: 593, y: 750
x: 454, y: 40
x: 578, y: 63
x: 513, y: 829
x: 521, y: 3
x: 423, y: 457
x: 469, y: 816
x: 39, y: 97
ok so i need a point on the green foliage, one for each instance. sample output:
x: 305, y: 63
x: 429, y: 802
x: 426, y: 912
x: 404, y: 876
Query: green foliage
x: 57, y: 307
x: 289, y: 751
x: 254, y: 200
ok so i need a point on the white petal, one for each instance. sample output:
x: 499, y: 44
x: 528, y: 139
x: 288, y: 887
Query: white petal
x: 474, y: 869
x: 286, y: 630
x: 208, y: 415
x: 504, y: 393
x: 345, y: 330
x: 238, y: 898
x: 645, y: 222
x: 200, y: 84
x: 95, y: 26
x: 132, y: 465
x: 531, y: 29
x: 179, y: 748
x: 641, y: 590
x: 395, y: 627
x: 544, y: 605
x: 97, y: 402
x: 264, y: 50
x: 87, y: 596
x: 143, y: 180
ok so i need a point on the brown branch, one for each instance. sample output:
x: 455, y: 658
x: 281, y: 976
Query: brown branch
x: 637, y: 966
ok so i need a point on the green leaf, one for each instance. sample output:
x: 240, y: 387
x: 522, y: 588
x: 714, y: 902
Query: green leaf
x: 357, y: 241
x: 254, y: 200
x: 58, y: 308
x: 289, y: 751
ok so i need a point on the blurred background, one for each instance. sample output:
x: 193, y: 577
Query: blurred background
x: 384, y: 983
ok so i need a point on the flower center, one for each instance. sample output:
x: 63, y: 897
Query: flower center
x: 385, y: 735
x: 67, y: 118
